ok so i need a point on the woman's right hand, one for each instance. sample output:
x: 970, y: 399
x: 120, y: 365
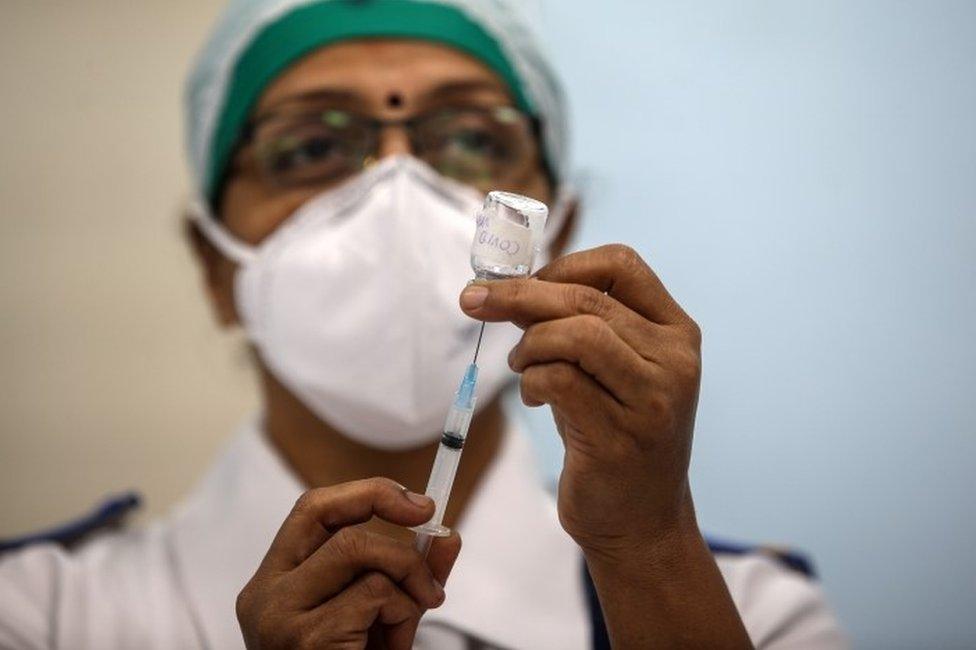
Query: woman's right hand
x: 326, y: 582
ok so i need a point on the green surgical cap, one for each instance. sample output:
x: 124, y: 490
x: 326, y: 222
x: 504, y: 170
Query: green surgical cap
x: 255, y: 40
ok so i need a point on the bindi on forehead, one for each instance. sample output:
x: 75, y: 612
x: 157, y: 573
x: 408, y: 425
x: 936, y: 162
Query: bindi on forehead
x: 394, y: 100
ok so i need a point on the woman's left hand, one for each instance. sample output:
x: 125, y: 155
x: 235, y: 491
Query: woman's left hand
x: 619, y: 362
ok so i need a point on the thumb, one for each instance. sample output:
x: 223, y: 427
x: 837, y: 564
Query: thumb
x: 442, y: 555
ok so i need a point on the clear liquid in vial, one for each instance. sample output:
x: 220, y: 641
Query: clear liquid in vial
x: 509, y: 229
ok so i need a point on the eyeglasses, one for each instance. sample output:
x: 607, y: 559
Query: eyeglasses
x: 483, y: 147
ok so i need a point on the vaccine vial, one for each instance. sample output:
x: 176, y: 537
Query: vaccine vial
x: 508, y: 236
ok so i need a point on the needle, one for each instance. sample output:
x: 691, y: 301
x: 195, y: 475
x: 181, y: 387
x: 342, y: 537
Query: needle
x: 478, y: 347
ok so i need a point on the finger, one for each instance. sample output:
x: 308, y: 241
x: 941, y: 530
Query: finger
x: 591, y: 343
x: 442, y: 555
x: 622, y: 274
x: 353, y: 551
x: 320, y: 512
x: 372, y: 598
x: 530, y: 301
x: 400, y: 636
x: 571, y: 392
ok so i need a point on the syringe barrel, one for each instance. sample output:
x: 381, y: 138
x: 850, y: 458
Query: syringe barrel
x: 441, y: 479
x: 445, y: 468
x: 457, y: 423
x: 448, y: 457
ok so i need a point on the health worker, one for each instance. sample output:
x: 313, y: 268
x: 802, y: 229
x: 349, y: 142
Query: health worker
x: 341, y: 150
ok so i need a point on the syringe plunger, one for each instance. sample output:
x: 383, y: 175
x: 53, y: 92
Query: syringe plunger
x: 448, y: 456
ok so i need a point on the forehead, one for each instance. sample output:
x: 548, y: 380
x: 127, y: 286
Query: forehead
x: 373, y: 68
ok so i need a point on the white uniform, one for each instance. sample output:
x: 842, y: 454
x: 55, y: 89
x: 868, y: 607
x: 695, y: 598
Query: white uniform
x: 517, y: 584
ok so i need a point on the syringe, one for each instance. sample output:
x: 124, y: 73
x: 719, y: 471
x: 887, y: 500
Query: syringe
x: 449, y: 453
x: 507, y: 236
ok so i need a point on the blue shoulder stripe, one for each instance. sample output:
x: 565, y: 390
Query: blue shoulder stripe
x: 790, y: 558
x: 109, y: 513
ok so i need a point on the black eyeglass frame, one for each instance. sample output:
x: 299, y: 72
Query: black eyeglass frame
x: 376, y: 125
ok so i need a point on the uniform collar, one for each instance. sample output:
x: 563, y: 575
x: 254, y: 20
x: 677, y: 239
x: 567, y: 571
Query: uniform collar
x: 517, y: 583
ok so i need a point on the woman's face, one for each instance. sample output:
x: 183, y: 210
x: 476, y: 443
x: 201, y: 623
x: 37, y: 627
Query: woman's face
x: 375, y: 79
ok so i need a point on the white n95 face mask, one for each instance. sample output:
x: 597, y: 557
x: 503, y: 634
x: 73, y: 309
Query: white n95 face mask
x: 352, y: 303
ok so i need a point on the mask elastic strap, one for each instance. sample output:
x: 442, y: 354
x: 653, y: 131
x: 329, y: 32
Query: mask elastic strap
x: 230, y: 246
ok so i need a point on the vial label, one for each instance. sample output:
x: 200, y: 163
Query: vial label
x: 501, y: 242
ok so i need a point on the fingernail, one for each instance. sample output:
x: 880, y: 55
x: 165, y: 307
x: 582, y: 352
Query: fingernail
x: 511, y: 357
x: 473, y: 297
x: 439, y: 591
x: 417, y: 499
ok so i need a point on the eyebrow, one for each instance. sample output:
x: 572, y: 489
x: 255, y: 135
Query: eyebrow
x: 453, y: 88
x: 338, y: 95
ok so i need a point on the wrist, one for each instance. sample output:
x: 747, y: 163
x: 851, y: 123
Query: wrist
x: 648, y: 542
x: 648, y: 556
x: 666, y: 590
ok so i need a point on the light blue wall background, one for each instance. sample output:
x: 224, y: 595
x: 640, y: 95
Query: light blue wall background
x: 802, y: 175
